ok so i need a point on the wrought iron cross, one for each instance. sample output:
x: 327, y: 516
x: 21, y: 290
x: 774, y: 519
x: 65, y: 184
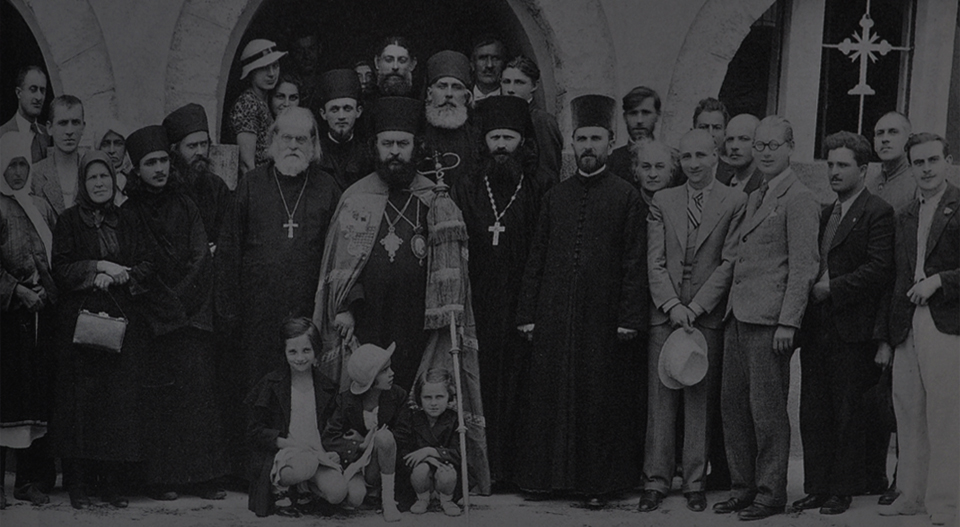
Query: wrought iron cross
x: 864, y: 48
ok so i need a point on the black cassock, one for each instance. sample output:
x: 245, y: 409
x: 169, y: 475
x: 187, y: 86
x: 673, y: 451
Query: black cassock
x: 586, y: 277
x: 264, y: 275
x: 463, y: 141
x: 496, y: 272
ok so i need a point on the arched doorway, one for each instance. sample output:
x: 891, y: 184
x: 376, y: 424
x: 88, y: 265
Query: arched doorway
x: 19, y: 48
x: 350, y: 31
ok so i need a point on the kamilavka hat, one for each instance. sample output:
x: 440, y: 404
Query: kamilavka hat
x: 146, y: 140
x: 504, y: 112
x: 401, y: 114
x: 593, y: 110
x: 448, y: 63
x: 337, y: 84
x: 184, y: 121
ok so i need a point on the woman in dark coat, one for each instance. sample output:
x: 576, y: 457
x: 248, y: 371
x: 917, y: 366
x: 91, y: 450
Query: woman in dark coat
x: 181, y: 434
x: 101, y: 263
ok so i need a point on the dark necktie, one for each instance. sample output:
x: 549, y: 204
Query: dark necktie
x: 761, y: 193
x: 37, y: 149
x: 828, y: 235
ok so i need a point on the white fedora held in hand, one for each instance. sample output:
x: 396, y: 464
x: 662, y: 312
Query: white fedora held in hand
x: 683, y: 359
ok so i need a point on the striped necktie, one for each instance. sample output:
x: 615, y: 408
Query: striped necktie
x: 695, y: 210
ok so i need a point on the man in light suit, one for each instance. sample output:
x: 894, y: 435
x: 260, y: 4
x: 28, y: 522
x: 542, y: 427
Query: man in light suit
x: 692, y: 241
x: 837, y: 353
x: 777, y: 262
x: 55, y: 178
x: 31, y: 92
x: 923, y: 325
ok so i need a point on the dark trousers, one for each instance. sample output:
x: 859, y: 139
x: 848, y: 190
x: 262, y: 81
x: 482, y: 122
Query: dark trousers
x: 35, y: 465
x: 834, y: 376
x: 756, y: 427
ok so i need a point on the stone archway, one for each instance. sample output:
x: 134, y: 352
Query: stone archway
x: 710, y: 43
x: 569, y: 39
x: 77, y: 59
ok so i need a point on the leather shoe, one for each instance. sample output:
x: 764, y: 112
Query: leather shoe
x: 836, y: 505
x: 594, y: 503
x: 696, y: 501
x: 888, y: 497
x: 31, y: 493
x: 79, y: 498
x: 731, y: 505
x: 759, y: 511
x: 810, y: 501
x: 650, y: 501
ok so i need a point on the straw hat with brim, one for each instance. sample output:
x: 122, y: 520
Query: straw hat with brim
x: 683, y: 359
x: 257, y: 54
x: 365, y: 364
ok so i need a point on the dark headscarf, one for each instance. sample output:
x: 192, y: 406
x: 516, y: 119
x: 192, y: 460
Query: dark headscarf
x: 99, y: 214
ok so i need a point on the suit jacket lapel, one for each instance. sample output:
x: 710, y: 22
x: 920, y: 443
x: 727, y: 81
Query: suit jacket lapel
x: 941, y: 216
x: 675, y: 206
x: 850, y: 219
x: 712, y: 210
x: 769, y: 205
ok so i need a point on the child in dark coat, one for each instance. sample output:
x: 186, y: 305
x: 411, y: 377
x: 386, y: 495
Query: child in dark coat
x: 429, y: 443
x: 361, y: 428
x: 289, y: 407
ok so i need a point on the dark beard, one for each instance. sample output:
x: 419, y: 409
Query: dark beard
x: 394, y: 85
x: 399, y: 176
x: 200, y: 166
x: 507, y: 169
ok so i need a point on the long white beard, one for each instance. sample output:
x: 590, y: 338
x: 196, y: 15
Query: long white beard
x: 446, y: 117
x: 291, y: 165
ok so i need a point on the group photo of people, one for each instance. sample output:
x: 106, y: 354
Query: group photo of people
x: 385, y: 284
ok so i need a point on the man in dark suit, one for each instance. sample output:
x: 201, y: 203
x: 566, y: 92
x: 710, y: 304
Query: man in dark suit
x: 641, y: 111
x: 31, y: 93
x: 776, y: 264
x: 836, y: 358
x: 923, y: 325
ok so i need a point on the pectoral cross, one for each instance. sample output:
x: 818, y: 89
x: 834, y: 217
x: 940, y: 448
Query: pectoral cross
x: 289, y: 225
x: 496, y: 229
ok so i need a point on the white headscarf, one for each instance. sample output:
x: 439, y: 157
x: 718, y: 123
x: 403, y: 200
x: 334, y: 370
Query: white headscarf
x: 12, y: 146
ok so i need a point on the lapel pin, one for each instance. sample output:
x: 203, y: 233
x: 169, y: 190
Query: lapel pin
x: 947, y: 211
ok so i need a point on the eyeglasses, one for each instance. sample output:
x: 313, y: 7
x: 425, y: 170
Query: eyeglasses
x: 288, y: 139
x: 760, y: 146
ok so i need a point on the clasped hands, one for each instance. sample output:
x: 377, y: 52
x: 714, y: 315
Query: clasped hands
x: 109, y: 273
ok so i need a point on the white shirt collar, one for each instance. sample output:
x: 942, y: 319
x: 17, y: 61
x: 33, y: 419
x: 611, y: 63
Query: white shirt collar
x: 479, y: 95
x: 845, y: 205
x: 591, y: 174
x: 932, y: 201
x: 23, y: 124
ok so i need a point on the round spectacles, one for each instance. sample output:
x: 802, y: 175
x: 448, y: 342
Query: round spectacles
x: 760, y: 146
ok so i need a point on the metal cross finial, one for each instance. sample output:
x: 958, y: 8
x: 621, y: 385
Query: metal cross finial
x: 438, y: 165
x: 864, y: 48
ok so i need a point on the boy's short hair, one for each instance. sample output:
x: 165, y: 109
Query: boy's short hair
x: 65, y: 101
x: 434, y: 375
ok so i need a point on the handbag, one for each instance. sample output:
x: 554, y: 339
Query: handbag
x: 99, y: 330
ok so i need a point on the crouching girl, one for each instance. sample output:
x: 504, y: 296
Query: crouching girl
x: 361, y: 428
x: 288, y: 408
x: 429, y: 442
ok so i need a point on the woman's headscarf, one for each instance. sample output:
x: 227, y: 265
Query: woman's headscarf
x: 12, y: 146
x: 126, y: 166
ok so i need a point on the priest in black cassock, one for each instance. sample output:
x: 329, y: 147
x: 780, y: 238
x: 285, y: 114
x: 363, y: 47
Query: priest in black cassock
x: 582, y: 303
x: 449, y: 127
x: 270, y: 249
x: 189, y: 136
x: 346, y: 155
x: 500, y: 204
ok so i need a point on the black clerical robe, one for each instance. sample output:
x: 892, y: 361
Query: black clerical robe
x: 464, y: 141
x: 347, y: 161
x: 269, y: 262
x: 496, y: 272
x: 586, y: 277
x: 212, y: 196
